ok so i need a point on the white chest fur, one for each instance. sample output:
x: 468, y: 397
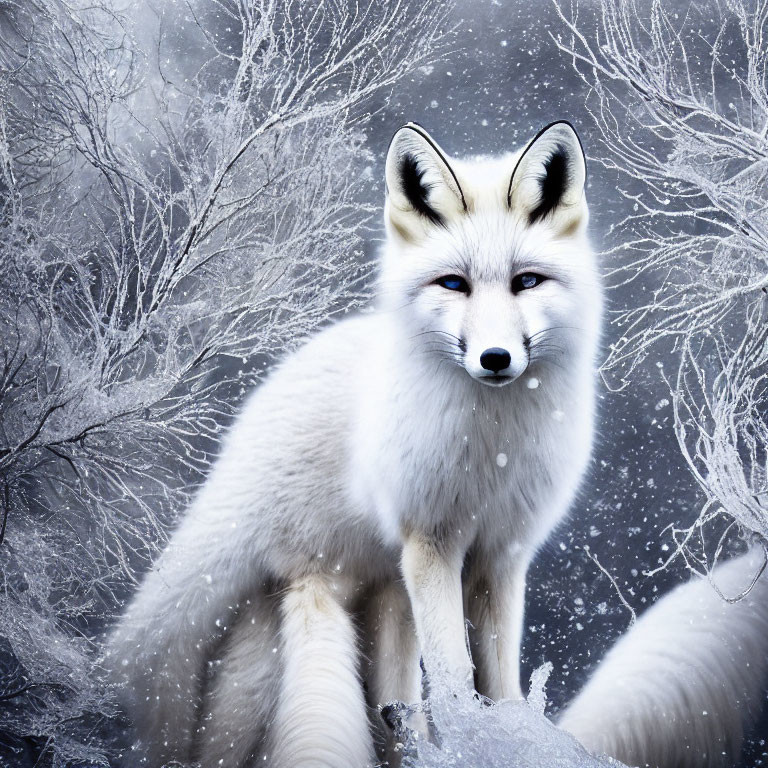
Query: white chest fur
x: 437, y: 452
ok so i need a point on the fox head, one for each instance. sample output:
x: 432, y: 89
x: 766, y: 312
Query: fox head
x: 487, y: 260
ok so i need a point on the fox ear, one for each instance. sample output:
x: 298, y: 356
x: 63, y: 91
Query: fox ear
x: 422, y: 188
x: 547, y: 183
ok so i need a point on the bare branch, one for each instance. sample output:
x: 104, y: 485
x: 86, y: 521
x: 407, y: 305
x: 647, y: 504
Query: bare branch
x: 687, y: 128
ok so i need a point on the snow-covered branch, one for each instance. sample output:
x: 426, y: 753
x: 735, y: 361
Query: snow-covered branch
x: 166, y: 225
x: 680, y: 100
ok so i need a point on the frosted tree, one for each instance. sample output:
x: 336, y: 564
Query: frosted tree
x: 679, y: 96
x: 180, y: 198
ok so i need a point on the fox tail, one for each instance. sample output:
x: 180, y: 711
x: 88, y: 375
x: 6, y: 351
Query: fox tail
x: 680, y: 688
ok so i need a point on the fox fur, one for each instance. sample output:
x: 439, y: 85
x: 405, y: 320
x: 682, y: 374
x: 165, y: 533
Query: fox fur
x: 679, y: 689
x: 388, y: 484
x: 374, y: 467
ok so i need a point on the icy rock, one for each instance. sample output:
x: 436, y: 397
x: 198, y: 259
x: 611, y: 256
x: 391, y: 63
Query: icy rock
x: 467, y: 732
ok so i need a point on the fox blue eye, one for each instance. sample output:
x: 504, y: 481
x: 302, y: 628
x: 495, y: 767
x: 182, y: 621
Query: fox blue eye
x: 526, y: 280
x: 453, y: 283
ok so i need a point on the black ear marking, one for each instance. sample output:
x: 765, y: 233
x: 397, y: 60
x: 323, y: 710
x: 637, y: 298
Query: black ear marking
x: 416, y: 190
x: 552, y: 183
x: 560, y: 164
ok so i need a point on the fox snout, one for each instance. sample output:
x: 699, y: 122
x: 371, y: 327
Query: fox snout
x: 497, y: 369
x: 497, y: 366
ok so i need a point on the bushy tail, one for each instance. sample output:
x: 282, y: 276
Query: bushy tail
x: 321, y: 718
x: 241, y: 699
x: 300, y: 708
x: 157, y: 652
x: 679, y: 689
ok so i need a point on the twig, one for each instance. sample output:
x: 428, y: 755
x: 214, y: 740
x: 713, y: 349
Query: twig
x: 624, y: 602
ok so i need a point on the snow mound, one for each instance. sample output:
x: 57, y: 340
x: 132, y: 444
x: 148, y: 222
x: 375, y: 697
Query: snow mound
x: 471, y: 732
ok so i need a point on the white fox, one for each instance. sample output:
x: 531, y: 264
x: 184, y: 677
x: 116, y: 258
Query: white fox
x: 393, y: 478
x: 443, y: 434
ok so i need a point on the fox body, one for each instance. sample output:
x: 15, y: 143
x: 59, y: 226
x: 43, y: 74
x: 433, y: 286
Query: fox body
x: 381, y: 495
x: 396, y: 473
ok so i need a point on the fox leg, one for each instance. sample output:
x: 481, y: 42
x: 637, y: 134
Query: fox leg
x: 433, y: 579
x: 321, y: 719
x: 242, y: 697
x: 393, y: 670
x: 495, y: 604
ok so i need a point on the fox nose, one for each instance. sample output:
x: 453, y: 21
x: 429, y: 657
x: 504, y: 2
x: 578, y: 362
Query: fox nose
x: 495, y: 359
